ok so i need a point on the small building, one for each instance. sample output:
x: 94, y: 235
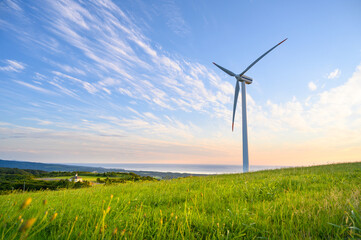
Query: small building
x: 76, y: 178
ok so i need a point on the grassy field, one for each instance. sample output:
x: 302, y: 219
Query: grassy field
x: 84, y: 178
x: 91, y: 177
x: 320, y: 202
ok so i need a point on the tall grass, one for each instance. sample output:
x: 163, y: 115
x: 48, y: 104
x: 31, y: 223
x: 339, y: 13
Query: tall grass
x: 320, y: 202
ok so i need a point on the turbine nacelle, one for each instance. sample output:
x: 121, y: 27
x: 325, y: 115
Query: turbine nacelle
x: 244, y: 78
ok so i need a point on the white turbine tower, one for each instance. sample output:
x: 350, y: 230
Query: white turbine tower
x: 244, y: 79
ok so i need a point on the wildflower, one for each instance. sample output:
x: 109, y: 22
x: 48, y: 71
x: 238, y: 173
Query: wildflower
x: 27, y: 225
x: 171, y: 215
x: 45, y: 202
x: 108, y: 209
x: 76, y: 218
x: 25, y: 203
x: 19, y: 217
x: 123, y: 232
x: 111, y: 196
x: 53, y: 217
x: 115, y: 231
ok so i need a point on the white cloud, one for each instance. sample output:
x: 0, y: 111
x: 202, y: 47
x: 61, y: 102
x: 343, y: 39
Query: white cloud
x: 64, y: 89
x: 119, y: 53
x: 86, y: 85
x: 150, y: 116
x: 125, y: 92
x: 330, y: 117
x: 13, y: 5
x: 13, y: 66
x: 312, y: 86
x: 39, y: 89
x: 175, y: 20
x: 70, y: 69
x: 107, y: 90
x: 65, y: 146
x: 39, y: 76
x: 119, y: 60
x: 334, y: 74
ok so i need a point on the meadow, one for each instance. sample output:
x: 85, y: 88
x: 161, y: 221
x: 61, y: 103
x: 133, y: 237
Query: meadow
x: 320, y: 202
x: 84, y: 178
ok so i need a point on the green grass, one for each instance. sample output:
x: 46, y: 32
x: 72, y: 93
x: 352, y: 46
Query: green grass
x: 320, y: 202
x: 84, y: 178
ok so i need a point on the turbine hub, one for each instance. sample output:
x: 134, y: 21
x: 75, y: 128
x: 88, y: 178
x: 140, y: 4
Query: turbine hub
x: 244, y: 78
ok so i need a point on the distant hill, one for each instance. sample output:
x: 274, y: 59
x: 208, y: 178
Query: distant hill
x: 52, y: 167
x: 71, y: 168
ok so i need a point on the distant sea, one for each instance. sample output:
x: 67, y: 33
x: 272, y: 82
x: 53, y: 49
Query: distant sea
x: 180, y: 168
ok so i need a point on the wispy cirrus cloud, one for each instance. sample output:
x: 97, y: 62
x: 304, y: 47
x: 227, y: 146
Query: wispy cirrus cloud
x: 120, y: 51
x: 175, y: 20
x: 90, y: 88
x: 12, y: 66
x: 334, y: 74
x: 108, y: 80
x: 36, y: 88
x: 13, y: 5
x: 312, y: 86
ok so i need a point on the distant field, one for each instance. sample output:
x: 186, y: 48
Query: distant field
x: 322, y: 202
x: 85, y: 178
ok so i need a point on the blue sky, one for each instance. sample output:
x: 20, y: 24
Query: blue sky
x: 133, y: 81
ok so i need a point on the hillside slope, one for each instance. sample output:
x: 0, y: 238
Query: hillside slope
x: 320, y: 202
x: 50, y: 167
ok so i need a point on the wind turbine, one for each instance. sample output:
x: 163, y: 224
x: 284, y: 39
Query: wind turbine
x: 244, y: 80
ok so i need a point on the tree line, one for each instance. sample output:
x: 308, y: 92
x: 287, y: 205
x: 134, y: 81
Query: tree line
x: 14, y: 179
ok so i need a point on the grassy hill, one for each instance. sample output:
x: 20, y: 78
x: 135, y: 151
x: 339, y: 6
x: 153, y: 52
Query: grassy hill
x: 50, y: 167
x: 13, y: 179
x: 321, y: 202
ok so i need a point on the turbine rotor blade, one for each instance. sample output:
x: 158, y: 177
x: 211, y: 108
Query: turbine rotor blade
x: 225, y: 70
x: 260, y: 58
x: 236, y: 92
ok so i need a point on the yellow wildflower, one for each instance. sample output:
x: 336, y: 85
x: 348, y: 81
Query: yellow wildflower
x: 53, y: 217
x: 27, y: 225
x: 26, y: 203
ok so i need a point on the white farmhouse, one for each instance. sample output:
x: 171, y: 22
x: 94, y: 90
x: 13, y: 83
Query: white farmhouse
x: 76, y: 178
